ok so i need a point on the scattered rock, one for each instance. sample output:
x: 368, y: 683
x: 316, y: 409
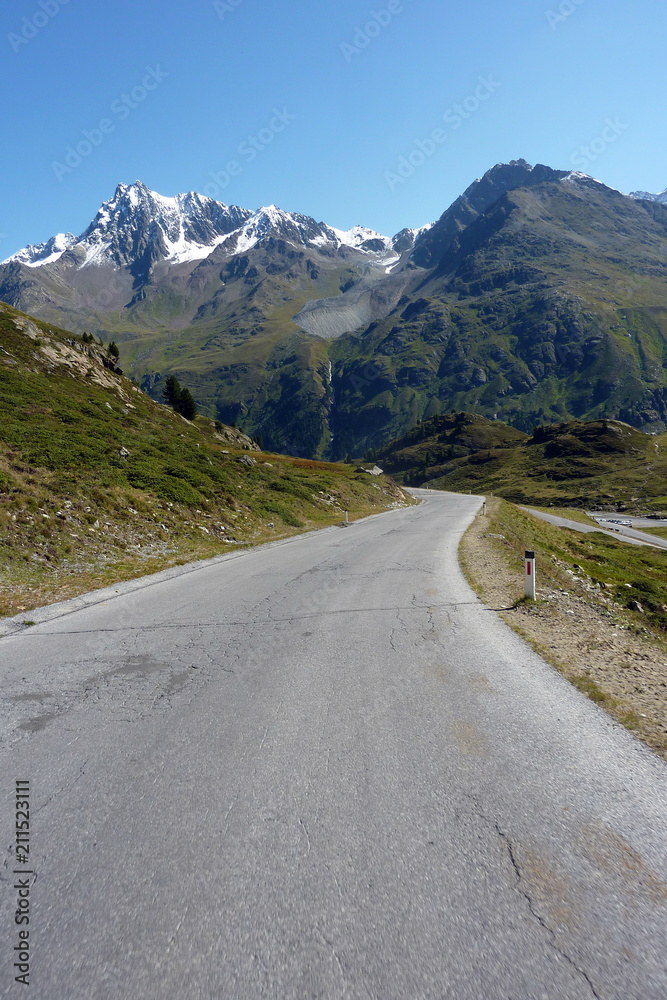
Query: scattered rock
x: 636, y: 606
x: 124, y: 453
x: 247, y: 460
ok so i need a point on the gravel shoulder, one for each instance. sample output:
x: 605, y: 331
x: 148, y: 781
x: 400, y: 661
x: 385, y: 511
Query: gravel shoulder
x: 578, y: 629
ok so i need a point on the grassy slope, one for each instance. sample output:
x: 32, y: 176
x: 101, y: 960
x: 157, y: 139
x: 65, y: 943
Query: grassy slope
x: 100, y: 483
x: 575, y: 464
x: 629, y: 573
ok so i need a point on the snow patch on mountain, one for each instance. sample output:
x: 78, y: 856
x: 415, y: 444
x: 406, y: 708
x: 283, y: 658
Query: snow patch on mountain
x: 44, y: 253
x: 576, y: 175
x: 647, y: 196
x: 359, y: 238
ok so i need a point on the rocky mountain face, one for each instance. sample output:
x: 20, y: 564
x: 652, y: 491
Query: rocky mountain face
x: 480, y: 196
x: 539, y: 295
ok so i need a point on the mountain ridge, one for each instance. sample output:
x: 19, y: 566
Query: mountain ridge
x: 189, y: 227
x: 538, y: 295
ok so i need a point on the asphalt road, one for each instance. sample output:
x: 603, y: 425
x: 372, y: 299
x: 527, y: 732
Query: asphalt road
x: 633, y: 530
x: 322, y: 769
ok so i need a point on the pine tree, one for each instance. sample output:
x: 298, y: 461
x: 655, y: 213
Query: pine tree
x: 180, y: 399
x: 172, y: 391
x: 186, y: 405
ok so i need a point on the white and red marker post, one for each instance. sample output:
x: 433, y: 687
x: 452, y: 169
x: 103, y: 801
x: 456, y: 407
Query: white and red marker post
x: 529, y: 563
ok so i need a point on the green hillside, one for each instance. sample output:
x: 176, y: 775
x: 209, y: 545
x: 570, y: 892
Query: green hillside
x: 99, y: 483
x: 550, y: 306
x: 571, y: 464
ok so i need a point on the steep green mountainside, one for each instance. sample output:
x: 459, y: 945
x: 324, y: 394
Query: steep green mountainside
x: 438, y: 440
x: 98, y: 482
x: 602, y: 463
x: 551, y: 305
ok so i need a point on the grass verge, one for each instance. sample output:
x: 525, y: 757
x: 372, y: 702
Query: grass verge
x: 601, y: 613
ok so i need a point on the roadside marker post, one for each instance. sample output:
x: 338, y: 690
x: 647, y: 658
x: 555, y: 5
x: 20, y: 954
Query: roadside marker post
x: 530, y: 575
x: 346, y: 520
x: 484, y: 507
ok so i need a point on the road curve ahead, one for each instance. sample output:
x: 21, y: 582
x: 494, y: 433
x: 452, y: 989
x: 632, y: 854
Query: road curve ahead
x: 323, y: 769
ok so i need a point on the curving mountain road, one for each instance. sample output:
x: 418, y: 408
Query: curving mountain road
x: 627, y: 534
x: 323, y: 769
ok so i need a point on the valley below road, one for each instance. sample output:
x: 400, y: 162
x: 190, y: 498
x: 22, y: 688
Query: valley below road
x: 323, y: 768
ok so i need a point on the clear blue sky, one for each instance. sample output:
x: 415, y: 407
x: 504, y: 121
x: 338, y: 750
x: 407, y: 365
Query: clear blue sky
x: 348, y: 114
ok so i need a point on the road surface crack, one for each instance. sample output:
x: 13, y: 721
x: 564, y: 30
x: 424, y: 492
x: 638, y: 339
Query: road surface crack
x: 249, y: 623
x: 305, y: 830
x: 531, y: 906
x: 511, y: 853
x: 335, y: 955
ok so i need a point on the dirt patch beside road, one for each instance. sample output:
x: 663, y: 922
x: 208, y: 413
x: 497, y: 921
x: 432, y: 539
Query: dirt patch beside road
x: 575, y: 624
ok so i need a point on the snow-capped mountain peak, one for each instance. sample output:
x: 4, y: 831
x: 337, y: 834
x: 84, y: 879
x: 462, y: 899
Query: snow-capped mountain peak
x: 647, y: 196
x: 44, y: 253
x: 137, y: 228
